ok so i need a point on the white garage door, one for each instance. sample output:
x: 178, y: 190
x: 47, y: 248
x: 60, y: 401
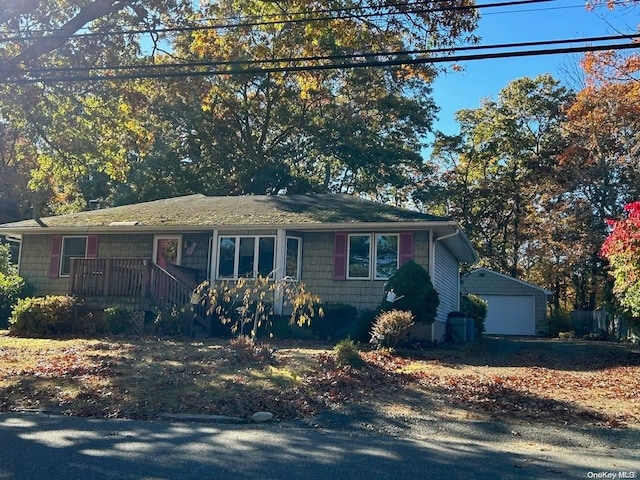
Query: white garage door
x: 510, y: 315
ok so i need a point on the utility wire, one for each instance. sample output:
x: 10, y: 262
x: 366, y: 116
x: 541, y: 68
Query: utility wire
x: 33, y: 35
x: 45, y: 70
x: 330, y: 66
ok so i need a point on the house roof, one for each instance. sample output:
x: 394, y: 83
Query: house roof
x: 198, y: 212
x: 485, y: 271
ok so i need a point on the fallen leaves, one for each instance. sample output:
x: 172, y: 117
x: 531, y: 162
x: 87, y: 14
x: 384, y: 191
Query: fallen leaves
x: 146, y: 377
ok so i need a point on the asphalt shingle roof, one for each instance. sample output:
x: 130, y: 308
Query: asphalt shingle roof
x: 201, y: 210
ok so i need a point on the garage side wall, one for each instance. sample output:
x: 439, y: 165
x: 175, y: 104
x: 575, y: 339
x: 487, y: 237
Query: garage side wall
x: 488, y: 283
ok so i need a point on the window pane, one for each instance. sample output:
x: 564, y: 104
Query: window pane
x: 386, y: 255
x: 266, y: 255
x: 227, y: 255
x: 246, y: 259
x: 72, y: 247
x: 359, y: 248
x: 291, y: 268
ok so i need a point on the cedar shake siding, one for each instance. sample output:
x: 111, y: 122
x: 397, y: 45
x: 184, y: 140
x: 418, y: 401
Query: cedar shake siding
x: 320, y: 251
x: 332, y: 233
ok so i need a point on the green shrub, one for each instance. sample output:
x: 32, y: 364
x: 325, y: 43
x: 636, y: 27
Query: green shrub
x: 117, y: 320
x: 53, y: 316
x: 559, y: 322
x: 172, y: 322
x: 413, y: 284
x: 390, y: 328
x: 12, y: 288
x: 476, y: 308
x: 6, y: 267
x: 347, y: 353
x: 336, y: 317
x: 358, y: 329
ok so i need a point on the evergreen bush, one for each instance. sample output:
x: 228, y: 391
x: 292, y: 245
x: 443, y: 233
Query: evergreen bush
x: 476, y: 308
x: 53, y: 316
x: 347, y: 353
x: 12, y: 288
x: 117, y: 320
x: 336, y: 317
x: 413, y: 284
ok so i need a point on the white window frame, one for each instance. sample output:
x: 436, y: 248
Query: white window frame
x: 236, y: 255
x: 374, y: 260
x: 62, y: 256
x: 298, y: 260
x: 373, y: 254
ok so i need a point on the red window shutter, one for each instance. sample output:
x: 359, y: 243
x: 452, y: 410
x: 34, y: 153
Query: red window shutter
x: 54, y: 256
x: 92, y: 246
x: 340, y: 256
x: 406, y: 247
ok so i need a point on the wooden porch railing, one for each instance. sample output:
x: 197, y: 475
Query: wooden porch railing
x: 128, y: 277
x: 110, y: 277
x: 167, y: 290
x: 135, y: 277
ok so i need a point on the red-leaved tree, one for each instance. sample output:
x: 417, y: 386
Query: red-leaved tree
x: 622, y: 250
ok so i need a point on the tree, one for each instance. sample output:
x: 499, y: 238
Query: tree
x: 622, y: 249
x: 70, y: 133
x: 498, y: 177
x: 344, y: 130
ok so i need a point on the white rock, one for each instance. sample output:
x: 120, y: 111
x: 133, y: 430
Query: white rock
x: 261, y: 417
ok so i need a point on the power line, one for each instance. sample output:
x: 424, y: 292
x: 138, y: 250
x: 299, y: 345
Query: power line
x: 32, y: 35
x: 329, y: 66
x: 45, y: 70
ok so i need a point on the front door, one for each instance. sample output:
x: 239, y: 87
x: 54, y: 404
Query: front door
x: 167, y: 250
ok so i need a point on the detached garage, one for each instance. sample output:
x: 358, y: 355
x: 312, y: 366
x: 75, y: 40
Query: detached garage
x: 514, y: 307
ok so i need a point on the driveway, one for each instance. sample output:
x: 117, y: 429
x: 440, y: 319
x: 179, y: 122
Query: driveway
x: 38, y: 446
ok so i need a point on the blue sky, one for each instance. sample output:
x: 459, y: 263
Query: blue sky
x: 562, y: 19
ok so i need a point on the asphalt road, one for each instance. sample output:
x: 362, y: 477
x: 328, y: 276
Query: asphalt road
x: 41, y: 447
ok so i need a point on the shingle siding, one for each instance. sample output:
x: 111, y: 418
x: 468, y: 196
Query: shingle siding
x: 317, y: 272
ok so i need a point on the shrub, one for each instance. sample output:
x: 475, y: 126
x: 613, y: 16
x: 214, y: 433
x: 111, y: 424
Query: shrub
x: 117, y: 320
x: 172, y: 321
x: 413, y: 284
x: 347, y: 353
x: 12, y: 288
x: 559, y: 321
x: 358, y: 329
x: 6, y: 267
x: 53, y: 316
x: 391, y: 327
x: 476, y: 308
x: 336, y: 317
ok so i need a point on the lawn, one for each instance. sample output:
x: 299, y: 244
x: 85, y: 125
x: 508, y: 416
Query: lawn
x: 542, y: 380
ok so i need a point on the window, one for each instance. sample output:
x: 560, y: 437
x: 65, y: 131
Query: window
x: 292, y: 265
x: 359, y: 256
x: 246, y: 256
x: 370, y: 255
x: 72, y: 247
x: 386, y: 255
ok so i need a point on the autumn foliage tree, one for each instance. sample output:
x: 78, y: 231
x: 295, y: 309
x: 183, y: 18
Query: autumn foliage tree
x: 622, y: 250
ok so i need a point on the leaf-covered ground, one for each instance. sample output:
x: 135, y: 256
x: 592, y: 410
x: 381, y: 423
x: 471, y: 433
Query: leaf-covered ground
x: 579, y: 383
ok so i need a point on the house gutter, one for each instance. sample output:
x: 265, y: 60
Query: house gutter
x: 121, y: 227
x: 457, y: 232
